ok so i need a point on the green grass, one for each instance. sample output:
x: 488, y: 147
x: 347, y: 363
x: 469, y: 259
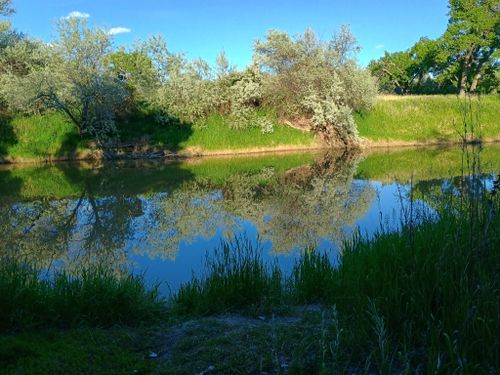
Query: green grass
x: 235, y: 277
x: 51, y: 136
x: 94, y: 297
x: 76, y: 351
x: 425, y: 118
x: 408, y: 119
x: 425, y: 297
x: 39, y: 138
x: 212, y: 134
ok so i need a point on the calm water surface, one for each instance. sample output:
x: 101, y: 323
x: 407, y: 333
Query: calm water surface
x: 164, y: 218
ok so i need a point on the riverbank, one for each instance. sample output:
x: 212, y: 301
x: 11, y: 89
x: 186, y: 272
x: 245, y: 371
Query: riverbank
x: 409, y: 121
x: 428, y: 120
x: 51, y: 137
x: 421, y: 299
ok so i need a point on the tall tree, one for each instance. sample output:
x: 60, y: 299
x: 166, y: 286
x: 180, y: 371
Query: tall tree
x: 471, y: 41
x: 404, y: 72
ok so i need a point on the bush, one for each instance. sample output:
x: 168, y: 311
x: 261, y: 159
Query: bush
x: 315, y: 80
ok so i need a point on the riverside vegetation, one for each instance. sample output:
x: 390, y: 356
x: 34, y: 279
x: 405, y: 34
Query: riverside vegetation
x: 78, y: 95
x: 99, y: 90
x: 423, y: 298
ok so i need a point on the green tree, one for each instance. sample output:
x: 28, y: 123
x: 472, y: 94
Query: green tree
x: 464, y: 59
x: 71, y: 77
x: 5, y: 10
x: 136, y: 70
x: 471, y: 41
x: 406, y: 72
x: 393, y: 71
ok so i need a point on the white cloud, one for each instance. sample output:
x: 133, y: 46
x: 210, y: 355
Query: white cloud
x: 118, y: 30
x: 77, y: 14
x: 379, y: 46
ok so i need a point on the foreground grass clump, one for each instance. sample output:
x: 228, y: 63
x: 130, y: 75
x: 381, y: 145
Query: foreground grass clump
x: 236, y: 278
x: 94, y: 297
x: 436, y: 118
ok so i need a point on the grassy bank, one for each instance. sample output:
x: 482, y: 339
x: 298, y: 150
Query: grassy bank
x: 425, y: 119
x: 395, y: 120
x: 52, y: 137
x: 424, y: 299
x: 39, y: 138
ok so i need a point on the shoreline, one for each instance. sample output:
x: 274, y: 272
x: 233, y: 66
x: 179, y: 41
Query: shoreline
x: 192, y: 153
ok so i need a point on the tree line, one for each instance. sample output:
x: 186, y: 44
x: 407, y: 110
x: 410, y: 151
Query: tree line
x: 302, y: 80
x: 464, y: 59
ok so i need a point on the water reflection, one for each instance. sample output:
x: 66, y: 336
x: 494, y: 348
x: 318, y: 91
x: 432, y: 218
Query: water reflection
x: 160, y: 217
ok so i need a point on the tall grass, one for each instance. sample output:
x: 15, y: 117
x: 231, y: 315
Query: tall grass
x: 423, y: 118
x: 425, y: 298
x: 95, y: 297
x: 236, y: 277
x: 39, y: 138
x: 50, y: 136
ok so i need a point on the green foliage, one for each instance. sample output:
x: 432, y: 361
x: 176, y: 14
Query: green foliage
x: 463, y: 59
x: 217, y: 132
x: 51, y: 136
x: 407, y: 72
x: 5, y: 7
x: 314, y: 80
x: 40, y: 138
x: 304, y: 80
x: 75, y: 351
x: 71, y: 77
x: 470, y: 44
x: 404, y: 298
x: 5, y: 10
x: 312, y: 277
x: 137, y: 71
x: 299, y: 79
x: 98, y: 297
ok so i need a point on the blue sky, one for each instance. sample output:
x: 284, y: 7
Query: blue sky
x: 203, y: 28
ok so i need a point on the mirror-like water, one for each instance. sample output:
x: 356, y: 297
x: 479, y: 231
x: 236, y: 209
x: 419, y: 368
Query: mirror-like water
x: 161, y: 218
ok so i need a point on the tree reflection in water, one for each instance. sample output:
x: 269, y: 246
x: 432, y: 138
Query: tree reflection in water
x: 293, y: 208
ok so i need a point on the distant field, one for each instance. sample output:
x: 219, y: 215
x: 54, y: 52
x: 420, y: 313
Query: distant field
x: 427, y: 118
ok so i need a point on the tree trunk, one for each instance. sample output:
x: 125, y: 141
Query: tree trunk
x: 462, y: 88
x: 479, y: 72
x: 475, y: 82
x: 467, y: 62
